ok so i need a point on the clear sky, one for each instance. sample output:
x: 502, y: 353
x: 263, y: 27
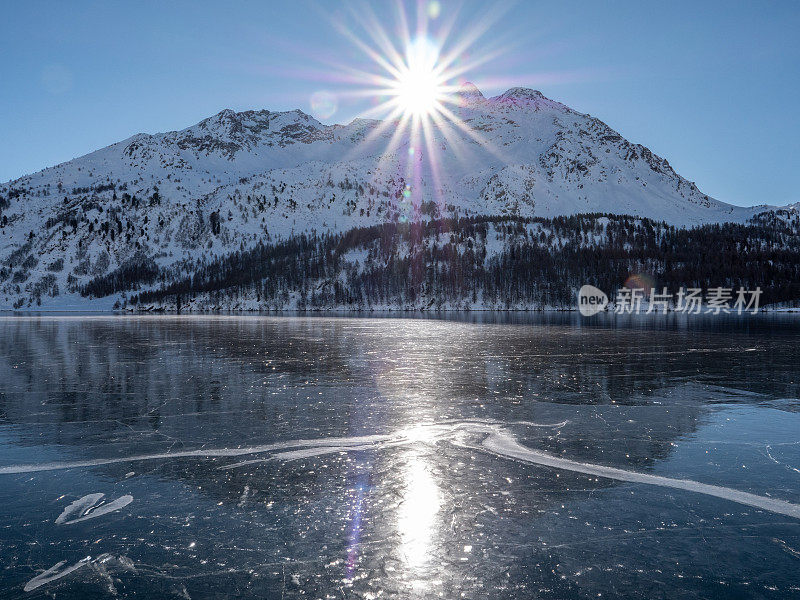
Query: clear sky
x: 711, y: 86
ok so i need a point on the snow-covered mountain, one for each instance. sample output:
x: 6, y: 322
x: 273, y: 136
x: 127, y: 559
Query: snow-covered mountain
x: 235, y: 179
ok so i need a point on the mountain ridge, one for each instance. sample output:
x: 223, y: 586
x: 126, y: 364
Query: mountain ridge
x: 235, y: 179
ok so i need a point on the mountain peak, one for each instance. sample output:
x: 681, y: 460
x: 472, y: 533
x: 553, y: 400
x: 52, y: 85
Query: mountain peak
x: 468, y: 94
x: 469, y: 90
x: 522, y: 93
x: 522, y: 97
x: 225, y: 119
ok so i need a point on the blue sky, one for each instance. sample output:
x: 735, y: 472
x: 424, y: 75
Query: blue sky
x: 711, y: 86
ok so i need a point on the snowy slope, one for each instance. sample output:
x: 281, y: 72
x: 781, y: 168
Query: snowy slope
x: 236, y: 178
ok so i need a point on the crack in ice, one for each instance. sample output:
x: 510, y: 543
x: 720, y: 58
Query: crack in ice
x: 498, y: 441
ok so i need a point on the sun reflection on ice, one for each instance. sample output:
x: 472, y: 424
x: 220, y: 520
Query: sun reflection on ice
x: 417, y: 513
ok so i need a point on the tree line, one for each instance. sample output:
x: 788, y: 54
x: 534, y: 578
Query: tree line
x: 499, y: 261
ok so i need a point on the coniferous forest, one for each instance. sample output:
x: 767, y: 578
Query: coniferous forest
x: 477, y: 262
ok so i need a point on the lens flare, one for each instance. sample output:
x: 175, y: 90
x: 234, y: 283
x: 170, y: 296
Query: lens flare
x: 641, y: 281
x: 323, y: 104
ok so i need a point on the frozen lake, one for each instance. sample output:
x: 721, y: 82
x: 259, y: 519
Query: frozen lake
x: 311, y: 457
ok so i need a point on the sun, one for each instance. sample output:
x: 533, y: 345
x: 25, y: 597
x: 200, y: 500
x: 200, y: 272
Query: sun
x: 412, y: 78
x: 419, y: 86
x: 418, y: 92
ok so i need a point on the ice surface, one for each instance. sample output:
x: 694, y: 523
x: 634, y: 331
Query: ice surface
x: 399, y: 458
x: 504, y: 444
x: 89, y: 507
x: 499, y: 441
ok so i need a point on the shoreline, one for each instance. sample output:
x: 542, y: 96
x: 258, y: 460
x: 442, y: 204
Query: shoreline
x: 368, y: 312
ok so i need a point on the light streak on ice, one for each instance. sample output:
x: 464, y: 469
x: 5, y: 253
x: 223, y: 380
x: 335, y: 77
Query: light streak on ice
x: 498, y: 441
